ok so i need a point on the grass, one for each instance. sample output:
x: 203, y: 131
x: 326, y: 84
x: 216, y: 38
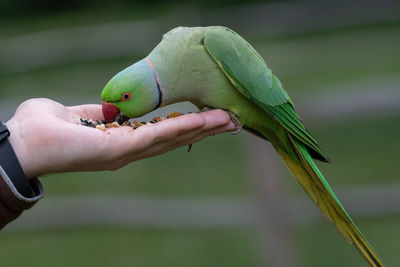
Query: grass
x: 362, y: 152
x: 316, y: 244
x: 112, y: 246
x: 321, y: 245
x: 358, y: 158
x: 13, y: 26
x: 303, y: 65
x: 74, y: 80
x: 307, y: 63
x: 177, y: 173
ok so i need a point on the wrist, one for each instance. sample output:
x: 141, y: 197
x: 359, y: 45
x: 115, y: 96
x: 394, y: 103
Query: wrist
x: 18, y: 145
x: 11, y: 169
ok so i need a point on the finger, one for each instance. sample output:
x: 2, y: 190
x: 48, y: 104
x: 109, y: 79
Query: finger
x: 182, y: 140
x: 125, y: 141
x: 159, y: 149
x: 89, y: 111
x: 170, y: 128
x: 215, y: 118
x: 212, y: 120
x: 192, y: 135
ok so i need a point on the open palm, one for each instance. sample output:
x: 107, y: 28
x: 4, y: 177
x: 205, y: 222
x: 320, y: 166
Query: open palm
x: 48, y: 138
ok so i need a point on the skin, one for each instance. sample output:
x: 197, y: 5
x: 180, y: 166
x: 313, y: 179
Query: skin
x: 47, y: 138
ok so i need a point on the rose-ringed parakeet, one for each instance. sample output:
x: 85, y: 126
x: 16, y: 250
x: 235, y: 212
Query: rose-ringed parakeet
x: 215, y: 67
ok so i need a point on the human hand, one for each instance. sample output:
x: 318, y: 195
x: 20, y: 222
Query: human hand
x: 48, y: 138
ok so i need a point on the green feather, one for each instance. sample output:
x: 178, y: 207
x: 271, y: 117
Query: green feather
x: 249, y: 73
x: 315, y: 185
x: 215, y: 67
x: 251, y: 76
x: 244, y: 66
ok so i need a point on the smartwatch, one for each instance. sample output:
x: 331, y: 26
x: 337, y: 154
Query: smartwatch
x: 11, y: 166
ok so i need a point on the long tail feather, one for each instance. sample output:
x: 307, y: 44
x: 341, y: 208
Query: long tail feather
x: 315, y: 185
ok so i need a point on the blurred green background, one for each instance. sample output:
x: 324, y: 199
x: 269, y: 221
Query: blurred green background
x: 340, y: 62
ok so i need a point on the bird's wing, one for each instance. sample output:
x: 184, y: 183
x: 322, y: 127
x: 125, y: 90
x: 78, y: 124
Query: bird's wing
x: 249, y: 73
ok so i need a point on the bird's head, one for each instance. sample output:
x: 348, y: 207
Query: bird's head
x: 133, y: 91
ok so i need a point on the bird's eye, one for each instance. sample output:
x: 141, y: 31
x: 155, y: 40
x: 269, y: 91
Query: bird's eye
x: 126, y: 96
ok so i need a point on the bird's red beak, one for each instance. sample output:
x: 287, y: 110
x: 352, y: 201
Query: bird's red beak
x: 110, y: 112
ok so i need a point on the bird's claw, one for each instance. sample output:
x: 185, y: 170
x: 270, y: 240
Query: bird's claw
x: 235, y: 121
x: 205, y: 108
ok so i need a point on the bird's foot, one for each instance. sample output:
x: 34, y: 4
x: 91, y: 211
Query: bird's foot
x: 235, y: 121
x: 205, y: 108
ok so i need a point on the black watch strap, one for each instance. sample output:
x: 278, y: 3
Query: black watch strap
x: 11, y: 166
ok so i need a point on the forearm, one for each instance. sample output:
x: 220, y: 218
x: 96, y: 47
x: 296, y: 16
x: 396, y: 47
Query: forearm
x: 12, y: 203
x: 16, y: 192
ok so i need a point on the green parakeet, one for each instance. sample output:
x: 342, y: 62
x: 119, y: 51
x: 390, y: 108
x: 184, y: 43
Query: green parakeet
x: 215, y: 67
